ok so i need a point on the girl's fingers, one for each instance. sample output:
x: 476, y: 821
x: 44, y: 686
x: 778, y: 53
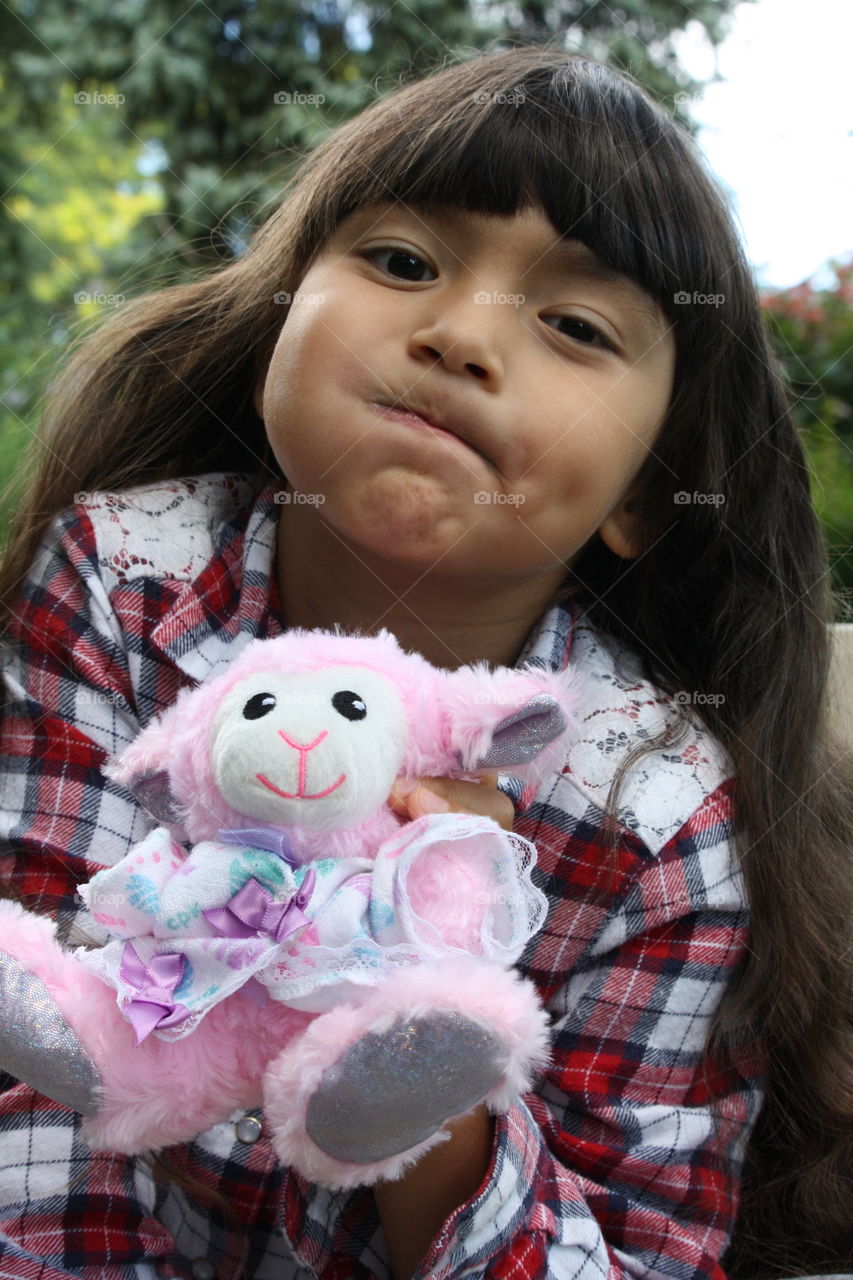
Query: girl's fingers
x: 451, y: 795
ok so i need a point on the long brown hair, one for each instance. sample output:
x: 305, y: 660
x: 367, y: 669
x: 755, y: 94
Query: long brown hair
x: 731, y: 599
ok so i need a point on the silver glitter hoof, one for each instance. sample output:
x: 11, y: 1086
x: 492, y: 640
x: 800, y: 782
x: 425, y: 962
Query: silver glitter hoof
x: 38, y: 1046
x: 393, y: 1090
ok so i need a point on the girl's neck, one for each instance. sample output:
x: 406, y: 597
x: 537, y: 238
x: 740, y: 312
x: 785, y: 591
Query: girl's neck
x: 452, y: 620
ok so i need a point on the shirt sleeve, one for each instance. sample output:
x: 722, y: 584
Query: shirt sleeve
x: 627, y: 1160
x: 69, y: 704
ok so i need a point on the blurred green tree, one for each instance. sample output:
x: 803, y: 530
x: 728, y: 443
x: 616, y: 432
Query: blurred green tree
x: 144, y: 137
x: 231, y: 89
x: 63, y: 255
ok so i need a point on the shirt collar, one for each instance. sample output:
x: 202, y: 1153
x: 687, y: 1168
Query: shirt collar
x: 232, y: 601
x: 235, y: 599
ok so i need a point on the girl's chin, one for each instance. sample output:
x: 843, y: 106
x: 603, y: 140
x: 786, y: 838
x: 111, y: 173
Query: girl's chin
x: 398, y: 538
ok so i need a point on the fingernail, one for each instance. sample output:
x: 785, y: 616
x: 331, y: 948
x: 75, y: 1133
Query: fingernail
x: 427, y: 801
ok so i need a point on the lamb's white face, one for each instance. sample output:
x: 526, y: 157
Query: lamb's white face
x: 318, y: 748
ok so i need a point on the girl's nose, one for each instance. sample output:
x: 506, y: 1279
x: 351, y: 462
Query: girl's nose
x: 467, y: 333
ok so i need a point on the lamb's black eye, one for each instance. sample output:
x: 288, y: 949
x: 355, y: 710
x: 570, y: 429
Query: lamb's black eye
x: 258, y: 706
x: 349, y: 705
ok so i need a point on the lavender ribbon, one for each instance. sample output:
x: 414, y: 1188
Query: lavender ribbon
x: 154, y: 1004
x: 251, y: 911
x: 270, y: 839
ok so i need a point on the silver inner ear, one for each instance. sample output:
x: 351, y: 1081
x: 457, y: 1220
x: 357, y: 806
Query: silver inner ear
x: 152, y: 791
x: 522, y: 735
x: 38, y: 1046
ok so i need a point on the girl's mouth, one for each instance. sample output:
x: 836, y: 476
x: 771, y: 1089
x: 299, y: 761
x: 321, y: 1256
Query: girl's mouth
x: 400, y: 413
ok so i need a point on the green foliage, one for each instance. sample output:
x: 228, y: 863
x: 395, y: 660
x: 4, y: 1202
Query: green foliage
x: 63, y: 256
x: 812, y: 332
x: 235, y: 91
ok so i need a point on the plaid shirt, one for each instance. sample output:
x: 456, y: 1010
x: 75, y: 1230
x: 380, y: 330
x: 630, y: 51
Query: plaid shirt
x: 626, y: 1159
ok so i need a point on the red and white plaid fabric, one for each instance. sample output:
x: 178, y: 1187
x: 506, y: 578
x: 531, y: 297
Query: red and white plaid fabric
x: 624, y: 1162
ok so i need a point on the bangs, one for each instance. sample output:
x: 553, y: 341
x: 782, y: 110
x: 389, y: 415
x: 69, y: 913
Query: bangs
x: 536, y: 127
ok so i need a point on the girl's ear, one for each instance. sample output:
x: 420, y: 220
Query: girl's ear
x: 619, y: 531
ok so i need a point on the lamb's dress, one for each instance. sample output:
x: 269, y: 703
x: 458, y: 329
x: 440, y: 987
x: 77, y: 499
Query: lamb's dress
x: 317, y: 931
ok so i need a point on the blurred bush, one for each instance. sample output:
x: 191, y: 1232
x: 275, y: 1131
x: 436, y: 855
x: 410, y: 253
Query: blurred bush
x: 811, y: 328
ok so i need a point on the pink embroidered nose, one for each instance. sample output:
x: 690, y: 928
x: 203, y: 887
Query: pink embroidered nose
x: 301, y: 793
x: 297, y: 746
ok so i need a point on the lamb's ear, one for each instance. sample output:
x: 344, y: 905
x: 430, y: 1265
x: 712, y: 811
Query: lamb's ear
x: 141, y: 770
x: 509, y: 718
x: 151, y: 790
x: 522, y: 735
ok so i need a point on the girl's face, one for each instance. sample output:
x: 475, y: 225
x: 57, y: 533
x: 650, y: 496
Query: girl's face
x: 544, y: 376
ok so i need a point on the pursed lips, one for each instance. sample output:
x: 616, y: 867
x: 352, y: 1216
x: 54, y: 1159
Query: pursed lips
x: 444, y: 423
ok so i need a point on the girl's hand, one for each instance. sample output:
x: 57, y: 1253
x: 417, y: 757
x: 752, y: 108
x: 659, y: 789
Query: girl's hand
x: 451, y: 795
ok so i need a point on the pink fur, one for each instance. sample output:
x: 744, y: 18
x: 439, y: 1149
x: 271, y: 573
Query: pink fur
x: 165, y: 1092
x: 446, y: 890
x: 161, y: 1092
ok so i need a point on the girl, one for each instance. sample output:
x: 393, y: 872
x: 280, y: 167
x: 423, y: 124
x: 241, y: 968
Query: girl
x: 493, y: 376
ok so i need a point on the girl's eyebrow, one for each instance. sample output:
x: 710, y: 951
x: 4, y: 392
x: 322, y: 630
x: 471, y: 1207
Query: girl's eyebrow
x: 574, y: 258
x: 570, y: 257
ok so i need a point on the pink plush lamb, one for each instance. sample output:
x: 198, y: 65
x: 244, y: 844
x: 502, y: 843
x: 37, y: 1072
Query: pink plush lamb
x: 312, y: 953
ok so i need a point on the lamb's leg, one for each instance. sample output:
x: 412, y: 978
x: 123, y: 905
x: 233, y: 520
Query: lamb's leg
x: 63, y: 1033
x: 365, y: 1090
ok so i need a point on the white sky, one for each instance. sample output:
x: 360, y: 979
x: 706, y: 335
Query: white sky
x: 777, y: 128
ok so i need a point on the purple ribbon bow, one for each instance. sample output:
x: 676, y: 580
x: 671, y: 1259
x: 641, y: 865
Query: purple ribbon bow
x: 265, y: 836
x: 154, y: 1004
x: 251, y: 911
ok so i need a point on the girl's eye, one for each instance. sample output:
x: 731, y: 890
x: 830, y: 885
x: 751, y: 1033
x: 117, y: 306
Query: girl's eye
x: 581, y: 331
x: 402, y: 263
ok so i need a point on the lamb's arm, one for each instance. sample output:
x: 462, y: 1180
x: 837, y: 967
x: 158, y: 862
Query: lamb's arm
x: 126, y: 898
x: 461, y: 871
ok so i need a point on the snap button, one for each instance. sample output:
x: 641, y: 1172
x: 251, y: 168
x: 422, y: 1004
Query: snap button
x: 203, y: 1269
x: 248, y: 1129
